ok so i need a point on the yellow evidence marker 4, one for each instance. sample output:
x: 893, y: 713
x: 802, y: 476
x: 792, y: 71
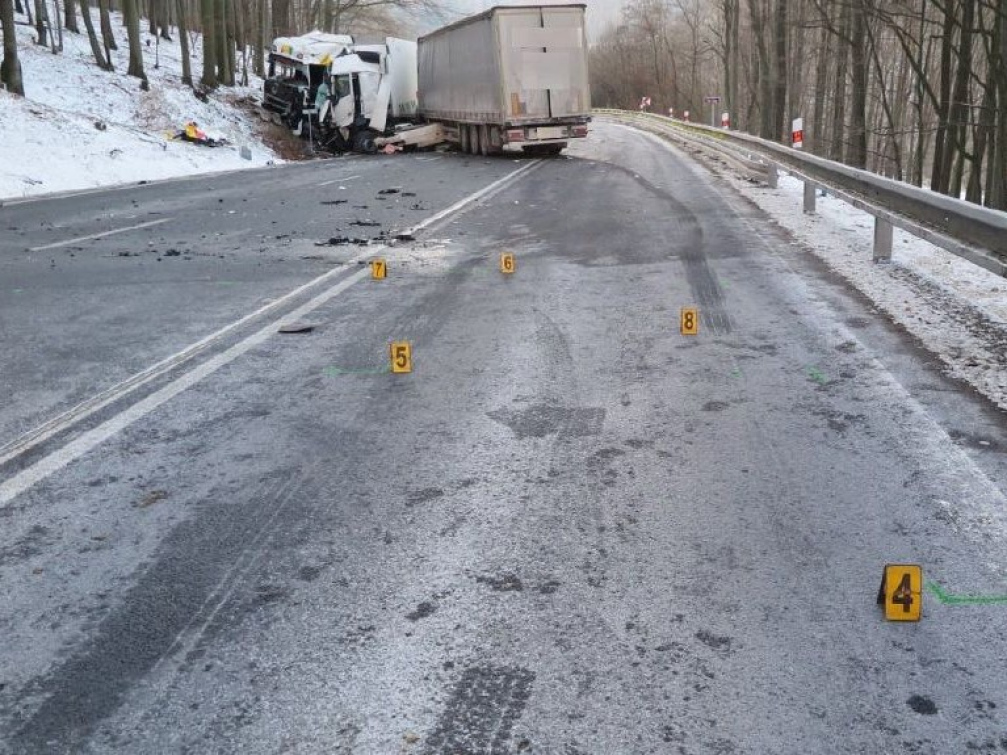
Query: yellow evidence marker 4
x: 402, y: 357
x: 379, y: 270
x: 901, y: 592
x: 688, y: 321
x: 507, y: 263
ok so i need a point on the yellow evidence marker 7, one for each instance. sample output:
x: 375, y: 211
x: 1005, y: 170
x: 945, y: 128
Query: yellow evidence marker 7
x: 901, y: 592
x: 402, y: 357
x: 507, y: 263
x: 379, y: 270
x: 688, y: 320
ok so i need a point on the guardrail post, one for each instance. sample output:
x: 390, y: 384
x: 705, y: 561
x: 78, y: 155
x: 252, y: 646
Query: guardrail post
x: 882, y: 240
x: 772, y: 176
x: 809, y: 197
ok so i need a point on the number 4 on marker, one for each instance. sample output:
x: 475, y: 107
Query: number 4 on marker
x: 402, y: 357
x: 901, y: 592
x: 688, y: 320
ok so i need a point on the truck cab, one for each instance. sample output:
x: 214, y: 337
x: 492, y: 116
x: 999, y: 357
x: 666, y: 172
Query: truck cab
x: 298, y: 66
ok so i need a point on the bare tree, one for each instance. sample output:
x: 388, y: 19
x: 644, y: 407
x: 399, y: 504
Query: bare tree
x: 10, y: 68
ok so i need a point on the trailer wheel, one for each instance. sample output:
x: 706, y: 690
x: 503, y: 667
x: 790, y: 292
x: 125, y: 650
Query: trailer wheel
x: 484, y: 140
x: 474, y: 140
x: 463, y: 137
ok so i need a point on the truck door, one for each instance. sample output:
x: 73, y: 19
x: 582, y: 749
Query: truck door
x: 566, y: 51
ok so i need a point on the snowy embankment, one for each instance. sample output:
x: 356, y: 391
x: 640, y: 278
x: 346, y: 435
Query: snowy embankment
x: 80, y: 127
x: 956, y: 309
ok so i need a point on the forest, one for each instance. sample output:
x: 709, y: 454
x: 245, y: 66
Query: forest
x: 228, y: 37
x: 915, y: 90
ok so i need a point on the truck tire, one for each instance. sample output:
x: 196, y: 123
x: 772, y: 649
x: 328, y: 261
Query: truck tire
x: 484, y: 140
x: 463, y: 137
x: 475, y: 140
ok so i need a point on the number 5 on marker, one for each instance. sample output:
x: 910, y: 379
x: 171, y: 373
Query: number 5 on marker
x: 402, y: 357
x: 379, y: 270
x: 688, y: 320
x: 507, y: 263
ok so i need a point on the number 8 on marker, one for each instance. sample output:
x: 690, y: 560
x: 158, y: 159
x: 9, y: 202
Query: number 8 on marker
x: 402, y: 357
x: 689, y: 321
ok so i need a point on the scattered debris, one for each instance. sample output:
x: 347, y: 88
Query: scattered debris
x: 386, y: 192
x: 343, y: 241
x: 298, y: 327
x: 194, y: 135
x: 335, y: 202
x: 365, y: 223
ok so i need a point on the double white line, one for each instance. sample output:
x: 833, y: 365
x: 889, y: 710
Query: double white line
x: 79, y: 446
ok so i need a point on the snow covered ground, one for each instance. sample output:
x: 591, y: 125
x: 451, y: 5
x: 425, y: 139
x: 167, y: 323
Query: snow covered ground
x: 51, y: 141
x: 956, y: 309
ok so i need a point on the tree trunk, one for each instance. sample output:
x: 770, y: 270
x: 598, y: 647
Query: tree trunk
x: 839, y: 102
x: 183, y: 38
x: 281, y: 18
x: 781, y: 63
x: 132, y: 17
x: 10, y: 68
x: 220, y: 36
x: 856, y: 154
x: 70, y: 16
x: 209, y: 79
x: 92, y: 37
x: 260, y: 38
x: 42, y: 38
x: 818, y: 141
x: 997, y: 195
x: 106, y: 30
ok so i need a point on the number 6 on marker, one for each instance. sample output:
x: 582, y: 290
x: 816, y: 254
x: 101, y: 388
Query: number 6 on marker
x: 507, y: 263
x: 402, y: 357
x: 689, y: 321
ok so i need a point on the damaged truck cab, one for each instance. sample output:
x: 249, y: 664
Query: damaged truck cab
x: 372, y: 89
x: 298, y: 66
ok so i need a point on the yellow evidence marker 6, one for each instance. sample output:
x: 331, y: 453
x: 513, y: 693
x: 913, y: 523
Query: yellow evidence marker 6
x: 901, y: 592
x: 402, y: 357
x: 688, y: 320
x: 379, y: 270
x: 507, y: 263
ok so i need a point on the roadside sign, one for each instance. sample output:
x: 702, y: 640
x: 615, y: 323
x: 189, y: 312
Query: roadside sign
x: 714, y: 100
x: 379, y: 270
x: 901, y: 592
x: 688, y: 321
x: 507, y: 263
x: 797, y: 133
x: 402, y: 357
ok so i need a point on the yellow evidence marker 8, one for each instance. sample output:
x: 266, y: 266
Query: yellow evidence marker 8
x: 688, y: 320
x: 379, y: 270
x: 901, y: 592
x: 402, y: 357
x: 507, y: 263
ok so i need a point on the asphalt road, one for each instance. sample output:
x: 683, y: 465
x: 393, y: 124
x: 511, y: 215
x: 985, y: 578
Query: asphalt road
x: 569, y: 531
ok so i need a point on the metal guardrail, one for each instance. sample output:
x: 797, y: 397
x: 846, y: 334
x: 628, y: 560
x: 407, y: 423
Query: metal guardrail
x: 975, y: 233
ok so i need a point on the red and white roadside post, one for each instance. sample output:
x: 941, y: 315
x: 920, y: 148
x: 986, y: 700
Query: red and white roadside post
x: 797, y: 134
x: 725, y: 121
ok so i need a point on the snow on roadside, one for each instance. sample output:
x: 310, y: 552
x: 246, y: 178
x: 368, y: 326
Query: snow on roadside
x: 956, y: 309
x: 51, y: 140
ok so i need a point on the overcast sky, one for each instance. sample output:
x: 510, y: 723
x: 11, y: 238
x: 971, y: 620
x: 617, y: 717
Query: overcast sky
x: 599, y: 12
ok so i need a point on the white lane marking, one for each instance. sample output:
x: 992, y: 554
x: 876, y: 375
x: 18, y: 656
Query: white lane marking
x: 79, y: 446
x: 76, y: 448
x: 86, y: 408
x: 93, y: 236
x: 427, y: 159
x: 471, y: 199
x: 338, y: 180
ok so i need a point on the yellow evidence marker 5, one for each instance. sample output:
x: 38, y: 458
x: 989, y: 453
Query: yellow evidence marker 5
x: 507, y: 263
x: 688, y: 320
x: 901, y: 592
x: 402, y: 357
x: 379, y: 270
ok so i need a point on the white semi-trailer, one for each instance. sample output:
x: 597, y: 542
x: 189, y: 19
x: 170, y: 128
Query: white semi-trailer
x: 513, y: 75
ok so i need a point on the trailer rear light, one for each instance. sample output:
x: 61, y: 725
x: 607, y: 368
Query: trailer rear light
x: 580, y: 130
x: 515, y: 135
